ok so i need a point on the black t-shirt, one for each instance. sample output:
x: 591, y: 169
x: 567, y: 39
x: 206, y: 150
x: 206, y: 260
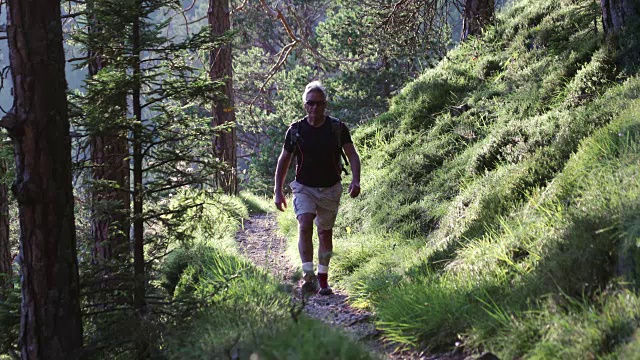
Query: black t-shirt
x: 317, y: 153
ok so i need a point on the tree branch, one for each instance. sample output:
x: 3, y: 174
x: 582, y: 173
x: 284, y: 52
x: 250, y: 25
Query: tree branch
x: 241, y: 7
x: 73, y: 15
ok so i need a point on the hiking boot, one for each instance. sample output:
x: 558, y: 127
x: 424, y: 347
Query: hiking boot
x: 310, y: 283
x: 324, y: 284
x: 325, y: 291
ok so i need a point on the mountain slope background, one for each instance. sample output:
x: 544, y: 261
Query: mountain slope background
x: 501, y: 194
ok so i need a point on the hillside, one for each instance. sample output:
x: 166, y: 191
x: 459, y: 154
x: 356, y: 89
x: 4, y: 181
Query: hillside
x: 501, y: 193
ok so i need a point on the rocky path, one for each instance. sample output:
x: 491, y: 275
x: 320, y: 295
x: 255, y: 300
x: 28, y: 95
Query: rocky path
x: 260, y: 242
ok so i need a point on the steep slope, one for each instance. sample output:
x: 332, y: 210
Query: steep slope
x: 501, y: 193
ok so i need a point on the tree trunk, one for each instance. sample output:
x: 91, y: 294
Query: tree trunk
x: 50, y: 324
x: 477, y: 14
x: 109, y: 153
x: 617, y: 13
x: 110, y: 204
x: 220, y: 62
x: 5, y: 244
x: 140, y: 303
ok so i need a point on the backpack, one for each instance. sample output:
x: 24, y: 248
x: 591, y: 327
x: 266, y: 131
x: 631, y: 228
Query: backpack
x: 336, y: 128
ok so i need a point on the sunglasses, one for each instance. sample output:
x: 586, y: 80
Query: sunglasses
x: 315, y: 103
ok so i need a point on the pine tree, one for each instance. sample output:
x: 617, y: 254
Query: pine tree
x: 109, y: 150
x: 168, y: 135
x: 51, y: 327
x: 220, y: 65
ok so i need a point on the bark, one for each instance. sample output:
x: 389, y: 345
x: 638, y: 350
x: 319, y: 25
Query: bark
x: 220, y: 62
x: 109, y: 153
x: 5, y: 244
x: 50, y: 324
x: 618, y: 13
x: 110, y: 204
x: 477, y: 14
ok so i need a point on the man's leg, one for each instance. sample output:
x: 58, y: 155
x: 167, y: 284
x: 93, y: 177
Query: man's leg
x: 305, y: 247
x: 305, y: 232
x: 327, y: 212
x: 325, y: 250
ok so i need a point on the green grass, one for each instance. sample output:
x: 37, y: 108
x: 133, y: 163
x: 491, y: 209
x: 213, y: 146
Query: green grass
x: 566, y: 328
x: 541, y: 247
x: 251, y: 314
x: 256, y: 204
x: 308, y: 339
x: 231, y: 308
x: 500, y: 194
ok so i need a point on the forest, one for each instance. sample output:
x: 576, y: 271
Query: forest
x: 499, y: 213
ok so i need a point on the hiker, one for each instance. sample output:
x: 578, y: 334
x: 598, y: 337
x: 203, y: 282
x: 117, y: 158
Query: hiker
x: 319, y: 143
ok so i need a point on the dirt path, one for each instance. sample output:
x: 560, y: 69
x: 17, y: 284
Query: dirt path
x: 260, y: 242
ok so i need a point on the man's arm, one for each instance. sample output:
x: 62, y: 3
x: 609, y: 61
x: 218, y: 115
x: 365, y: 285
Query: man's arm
x: 281, y: 172
x: 354, y: 162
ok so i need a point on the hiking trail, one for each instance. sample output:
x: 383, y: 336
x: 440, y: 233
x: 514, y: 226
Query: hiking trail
x: 260, y: 242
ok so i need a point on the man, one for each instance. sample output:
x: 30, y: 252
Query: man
x: 317, y: 141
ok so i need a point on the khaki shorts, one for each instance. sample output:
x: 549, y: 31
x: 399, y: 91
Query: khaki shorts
x: 323, y: 202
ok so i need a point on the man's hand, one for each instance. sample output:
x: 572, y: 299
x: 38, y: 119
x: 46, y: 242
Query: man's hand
x: 354, y: 161
x: 281, y: 172
x: 354, y: 189
x: 281, y: 202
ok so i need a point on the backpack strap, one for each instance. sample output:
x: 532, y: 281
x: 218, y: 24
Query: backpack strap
x: 295, y: 133
x: 296, y: 140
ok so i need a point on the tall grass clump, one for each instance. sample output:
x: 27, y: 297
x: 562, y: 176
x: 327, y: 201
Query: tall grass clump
x: 256, y: 204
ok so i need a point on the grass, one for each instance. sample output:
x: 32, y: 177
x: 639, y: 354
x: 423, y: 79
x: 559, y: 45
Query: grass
x: 231, y: 309
x: 310, y: 340
x: 256, y: 204
x: 542, y: 247
x: 500, y: 195
x: 567, y: 328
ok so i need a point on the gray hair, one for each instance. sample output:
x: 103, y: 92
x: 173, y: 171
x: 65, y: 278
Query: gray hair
x: 314, y: 86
